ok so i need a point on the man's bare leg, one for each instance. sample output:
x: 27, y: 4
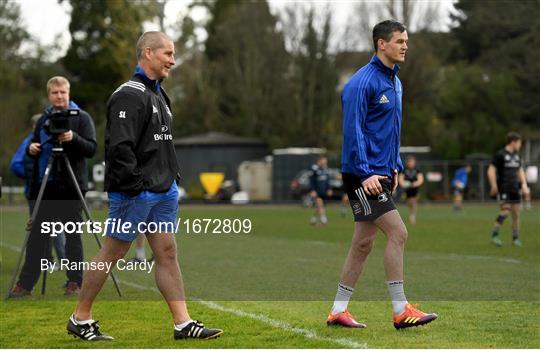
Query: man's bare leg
x: 168, y: 275
x: 515, y: 210
x: 139, y: 248
x: 458, y: 201
x: 112, y: 250
x: 413, y: 205
x: 361, y: 245
x: 405, y: 315
x: 321, y: 211
x: 503, y: 214
x: 393, y: 227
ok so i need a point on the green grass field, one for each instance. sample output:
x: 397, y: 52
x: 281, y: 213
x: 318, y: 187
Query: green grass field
x: 273, y: 287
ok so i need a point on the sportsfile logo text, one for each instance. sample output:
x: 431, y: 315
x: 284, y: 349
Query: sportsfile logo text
x: 212, y: 226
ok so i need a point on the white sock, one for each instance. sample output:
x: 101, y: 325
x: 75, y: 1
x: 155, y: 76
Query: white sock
x: 80, y: 322
x: 139, y: 253
x: 181, y: 326
x: 343, y: 295
x: 397, y: 294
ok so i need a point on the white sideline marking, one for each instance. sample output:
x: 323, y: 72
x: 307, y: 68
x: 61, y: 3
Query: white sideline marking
x: 283, y: 325
x: 11, y: 247
x: 483, y: 257
x: 259, y: 317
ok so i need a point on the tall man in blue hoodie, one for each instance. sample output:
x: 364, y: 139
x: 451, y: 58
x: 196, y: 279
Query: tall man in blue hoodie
x: 371, y: 103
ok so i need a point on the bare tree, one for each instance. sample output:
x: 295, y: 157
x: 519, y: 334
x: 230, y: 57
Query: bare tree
x: 415, y: 15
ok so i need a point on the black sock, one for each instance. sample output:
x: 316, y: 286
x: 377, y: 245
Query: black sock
x: 515, y: 234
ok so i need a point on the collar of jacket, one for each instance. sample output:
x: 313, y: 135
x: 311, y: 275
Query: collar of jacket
x: 153, y: 84
x: 72, y: 105
x: 375, y: 60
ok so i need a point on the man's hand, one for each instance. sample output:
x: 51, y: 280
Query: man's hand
x: 372, y: 186
x: 394, y: 180
x: 34, y: 149
x: 494, y: 190
x: 66, y: 136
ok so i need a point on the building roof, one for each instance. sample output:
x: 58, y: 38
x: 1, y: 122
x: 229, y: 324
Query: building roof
x: 217, y: 139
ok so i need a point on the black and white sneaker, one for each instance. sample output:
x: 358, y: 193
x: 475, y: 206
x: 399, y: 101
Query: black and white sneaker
x: 89, y: 331
x: 197, y: 330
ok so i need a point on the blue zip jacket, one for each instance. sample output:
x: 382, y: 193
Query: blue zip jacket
x: 22, y: 164
x: 371, y: 102
x: 18, y: 162
x: 462, y: 176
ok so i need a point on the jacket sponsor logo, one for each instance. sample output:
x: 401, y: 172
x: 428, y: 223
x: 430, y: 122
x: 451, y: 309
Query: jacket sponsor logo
x: 162, y: 137
x: 122, y: 114
x: 384, y: 99
x: 382, y: 197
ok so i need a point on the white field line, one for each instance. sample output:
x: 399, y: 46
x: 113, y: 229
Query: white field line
x: 449, y: 255
x: 483, y: 257
x: 348, y: 343
x: 11, y: 247
x: 283, y: 325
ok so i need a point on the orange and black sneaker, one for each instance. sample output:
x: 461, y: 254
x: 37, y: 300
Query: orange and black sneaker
x: 343, y: 319
x: 412, y: 317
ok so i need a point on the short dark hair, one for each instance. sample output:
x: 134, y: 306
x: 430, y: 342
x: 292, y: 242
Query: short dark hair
x: 385, y: 29
x: 512, y: 136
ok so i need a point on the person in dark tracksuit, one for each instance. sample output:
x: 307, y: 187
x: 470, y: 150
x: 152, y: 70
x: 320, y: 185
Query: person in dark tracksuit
x: 507, y: 179
x: 319, y: 182
x: 61, y: 202
x: 140, y: 177
x: 410, y: 180
x: 371, y: 102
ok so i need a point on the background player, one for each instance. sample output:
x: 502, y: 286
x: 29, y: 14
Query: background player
x: 410, y: 180
x: 505, y: 175
x: 320, y: 189
x: 459, y: 183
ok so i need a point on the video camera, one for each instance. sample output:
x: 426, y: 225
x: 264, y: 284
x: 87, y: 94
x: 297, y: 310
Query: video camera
x: 58, y: 121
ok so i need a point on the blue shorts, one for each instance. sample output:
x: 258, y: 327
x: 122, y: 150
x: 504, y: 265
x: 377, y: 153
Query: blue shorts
x: 146, y: 213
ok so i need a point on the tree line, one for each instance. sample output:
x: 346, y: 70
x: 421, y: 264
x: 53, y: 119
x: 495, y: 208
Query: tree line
x: 275, y: 77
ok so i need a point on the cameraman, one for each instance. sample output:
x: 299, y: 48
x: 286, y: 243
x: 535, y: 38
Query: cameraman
x: 60, y: 200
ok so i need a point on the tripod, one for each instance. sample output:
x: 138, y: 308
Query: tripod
x: 56, y: 155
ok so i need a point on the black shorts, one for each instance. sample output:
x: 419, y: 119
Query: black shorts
x: 366, y: 207
x: 458, y: 191
x: 321, y: 195
x: 411, y: 192
x: 509, y: 197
